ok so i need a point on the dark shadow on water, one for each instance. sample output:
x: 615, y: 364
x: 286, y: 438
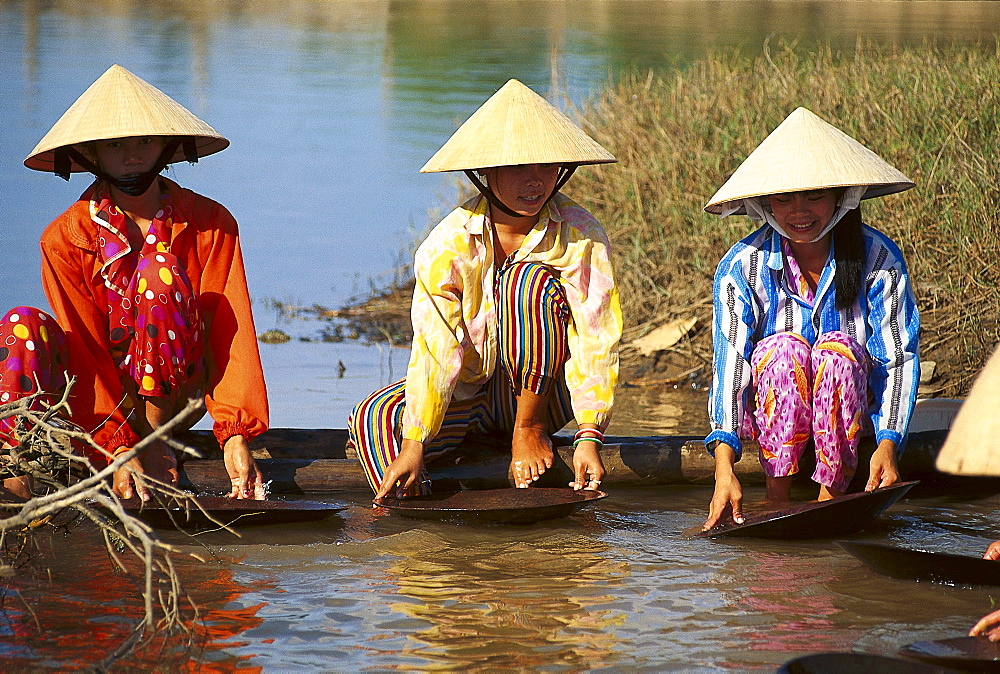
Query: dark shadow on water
x: 329, y: 530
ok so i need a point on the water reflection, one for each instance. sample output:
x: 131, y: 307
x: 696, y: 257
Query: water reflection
x: 616, y: 587
x: 501, y: 600
x: 332, y: 107
x: 72, y: 610
x: 795, y: 588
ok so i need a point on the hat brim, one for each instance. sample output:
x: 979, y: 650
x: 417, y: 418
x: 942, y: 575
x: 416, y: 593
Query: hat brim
x: 720, y: 207
x: 516, y: 126
x: 45, y: 160
x: 802, y: 154
x: 970, y: 448
x: 120, y: 104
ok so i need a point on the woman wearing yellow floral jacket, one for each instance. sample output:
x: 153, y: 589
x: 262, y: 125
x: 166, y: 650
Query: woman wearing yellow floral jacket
x: 516, y: 315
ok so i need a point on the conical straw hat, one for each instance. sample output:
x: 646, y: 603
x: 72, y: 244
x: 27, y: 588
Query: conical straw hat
x: 516, y: 126
x: 806, y: 153
x: 120, y: 105
x: 971, y: 446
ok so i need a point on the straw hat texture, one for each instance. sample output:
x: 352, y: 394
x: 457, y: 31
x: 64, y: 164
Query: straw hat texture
x: 119, y: 105
x: 806, y: 153
x: 516, y: 126
x: 971, y: 445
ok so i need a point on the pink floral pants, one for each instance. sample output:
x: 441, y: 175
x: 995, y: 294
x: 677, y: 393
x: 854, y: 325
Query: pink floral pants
x: 804, y: 393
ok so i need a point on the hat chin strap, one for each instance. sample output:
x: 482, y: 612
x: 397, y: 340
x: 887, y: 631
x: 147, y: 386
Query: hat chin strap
x: 566, y: 172
x: 848, y: 202
x: 132, y: 185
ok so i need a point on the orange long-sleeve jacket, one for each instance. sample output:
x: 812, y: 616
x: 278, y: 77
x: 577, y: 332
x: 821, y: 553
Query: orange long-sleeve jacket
x: 205, y: 239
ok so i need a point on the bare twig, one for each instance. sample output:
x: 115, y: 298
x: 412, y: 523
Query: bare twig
x: 67, y: 487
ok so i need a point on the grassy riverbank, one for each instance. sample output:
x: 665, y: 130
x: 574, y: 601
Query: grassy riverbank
x: 930, y: 111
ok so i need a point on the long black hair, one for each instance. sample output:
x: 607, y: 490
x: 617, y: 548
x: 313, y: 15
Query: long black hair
x: 849, y: 253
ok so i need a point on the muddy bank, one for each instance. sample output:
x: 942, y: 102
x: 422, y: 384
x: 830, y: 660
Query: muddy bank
x: 385, y: 318
x: 677, y: 353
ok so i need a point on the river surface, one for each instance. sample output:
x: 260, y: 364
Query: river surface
x: 332, y: 107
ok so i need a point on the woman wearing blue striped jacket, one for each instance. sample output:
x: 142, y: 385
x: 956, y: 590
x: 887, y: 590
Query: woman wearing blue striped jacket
x: 815, y: 322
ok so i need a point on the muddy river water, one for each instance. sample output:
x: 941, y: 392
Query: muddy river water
x: 614, y: 587
x: 332, y: 107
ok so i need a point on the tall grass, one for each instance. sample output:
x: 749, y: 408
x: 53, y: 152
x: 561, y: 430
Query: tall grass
x: 932, y: 111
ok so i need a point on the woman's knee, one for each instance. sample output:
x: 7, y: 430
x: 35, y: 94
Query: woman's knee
x: 34, y: 353
x: 840, y: 346
x: 384, y: 404
x: 780, y: 343
x: 526, y: 289
x: 167, y: 347
x: 534, y: 326
x: 780, y: 364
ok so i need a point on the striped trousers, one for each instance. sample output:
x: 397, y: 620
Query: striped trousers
x: 532, y: 322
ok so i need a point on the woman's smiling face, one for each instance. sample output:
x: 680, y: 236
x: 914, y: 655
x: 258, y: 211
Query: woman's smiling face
x: 803, y: 215
x: 523, y: 188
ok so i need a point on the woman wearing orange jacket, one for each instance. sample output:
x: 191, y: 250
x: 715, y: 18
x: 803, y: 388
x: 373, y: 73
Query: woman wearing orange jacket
x: 146, y: 279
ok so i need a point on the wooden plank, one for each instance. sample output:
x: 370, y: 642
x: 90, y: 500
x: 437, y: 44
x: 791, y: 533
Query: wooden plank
x: 315, y: 460
x: 289, y: 443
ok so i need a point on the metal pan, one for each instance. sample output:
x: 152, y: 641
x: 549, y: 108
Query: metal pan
x: 815, y: 519
x: 171, y: 513
x: 938, y: 567
x: 498, y: 506
x: 853, y: 663
x: 967, y: 653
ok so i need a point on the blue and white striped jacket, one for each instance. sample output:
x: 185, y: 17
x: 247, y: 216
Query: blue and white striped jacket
x: 752, y: 301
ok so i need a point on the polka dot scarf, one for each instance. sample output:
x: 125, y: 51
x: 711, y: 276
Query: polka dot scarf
x: 117, y: 266
x: 153, y: 318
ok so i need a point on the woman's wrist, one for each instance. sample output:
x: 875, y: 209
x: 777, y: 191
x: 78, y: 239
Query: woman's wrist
x: 588, y: 436
x: 725, y: 460
x: 411, y: 447
x: 886, y: 447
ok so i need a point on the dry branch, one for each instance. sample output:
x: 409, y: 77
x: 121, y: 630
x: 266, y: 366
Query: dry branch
x: 66, y: 488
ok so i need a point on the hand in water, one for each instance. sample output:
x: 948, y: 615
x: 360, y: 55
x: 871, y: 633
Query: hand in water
x: 405, y: 472
x: 247, y: 480
x: 728, y: 496
x: 588, y: 469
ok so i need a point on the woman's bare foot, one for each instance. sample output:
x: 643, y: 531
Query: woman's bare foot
x: 828, y: 493
x: 531, y: 454
x: 779, y: 491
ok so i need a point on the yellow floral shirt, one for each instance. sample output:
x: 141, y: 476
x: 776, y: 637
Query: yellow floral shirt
x: 454, y: 315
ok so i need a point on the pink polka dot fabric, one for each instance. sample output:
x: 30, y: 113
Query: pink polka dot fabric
x: 33, y: 357
x: 809, y: 394
x: 154, y: 321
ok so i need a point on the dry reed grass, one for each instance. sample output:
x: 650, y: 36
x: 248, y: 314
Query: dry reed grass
x: 932, y: 111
